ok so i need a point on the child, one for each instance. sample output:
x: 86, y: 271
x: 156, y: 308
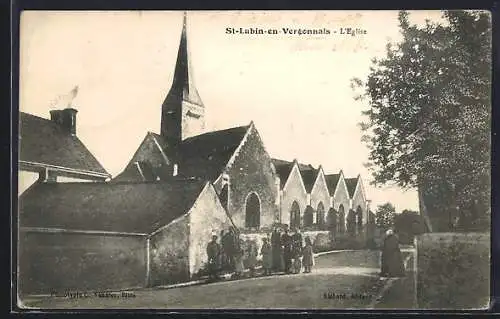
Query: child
x: 308, y: 256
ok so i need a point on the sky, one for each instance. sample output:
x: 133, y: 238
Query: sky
x: 296, y: 88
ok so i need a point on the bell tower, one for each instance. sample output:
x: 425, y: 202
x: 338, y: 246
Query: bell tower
x: 182, y: 112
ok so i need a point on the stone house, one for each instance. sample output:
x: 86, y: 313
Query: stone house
x: 96, y: 236
x: 50, y: 151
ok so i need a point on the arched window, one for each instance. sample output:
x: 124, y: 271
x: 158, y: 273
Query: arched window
x: 320, y: 215
x: 252, y: 211
x: 308, y: 216
x: 295, y: 215
x: 224, y: 196
x: 359, y: 219
x: 341, y: 220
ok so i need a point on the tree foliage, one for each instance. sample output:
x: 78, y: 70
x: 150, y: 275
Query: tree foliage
x: 384, y: 216
x: 428, y: 122
x: 408, y: 224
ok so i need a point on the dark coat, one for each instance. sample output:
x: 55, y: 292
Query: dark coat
x: 286, y: 243
x: 213, y: 250
x: 297, y: 245
x: 267, y: 259
x: 392, y: 259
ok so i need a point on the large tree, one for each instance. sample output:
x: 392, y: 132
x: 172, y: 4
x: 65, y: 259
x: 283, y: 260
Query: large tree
x: 429, y: 112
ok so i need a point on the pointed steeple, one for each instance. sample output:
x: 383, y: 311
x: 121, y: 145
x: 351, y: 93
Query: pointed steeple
x: 182, y: 111
x: 183, y: 75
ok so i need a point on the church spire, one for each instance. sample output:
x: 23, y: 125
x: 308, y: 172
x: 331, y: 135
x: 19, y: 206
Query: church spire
x: 183, y: 75
x: 182, y: 110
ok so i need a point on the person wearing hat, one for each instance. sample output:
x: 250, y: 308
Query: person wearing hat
x: 392, y: 260
x: 213, y: 251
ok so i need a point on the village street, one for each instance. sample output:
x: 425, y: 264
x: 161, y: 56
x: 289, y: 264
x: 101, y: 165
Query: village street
x: 347, y: 279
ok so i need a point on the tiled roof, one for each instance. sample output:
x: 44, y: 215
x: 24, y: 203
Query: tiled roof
x: 43, y: 141
x: 331, y: 181
x: 351, y: 185
x: 120, y: 207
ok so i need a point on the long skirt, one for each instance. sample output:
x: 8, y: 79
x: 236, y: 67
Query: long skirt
x: 239, y: 264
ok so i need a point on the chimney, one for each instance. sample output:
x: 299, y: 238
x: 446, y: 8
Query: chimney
x: 66, y: 119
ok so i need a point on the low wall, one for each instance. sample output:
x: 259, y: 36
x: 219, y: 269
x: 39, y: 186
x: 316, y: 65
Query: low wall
x: 453, y: 270
x: 61, y: 262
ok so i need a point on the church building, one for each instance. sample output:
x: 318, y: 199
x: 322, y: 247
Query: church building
x: 234, y: 160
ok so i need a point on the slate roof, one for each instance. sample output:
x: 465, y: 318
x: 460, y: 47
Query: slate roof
x: 307, y: 172
x: 331, y: 181
x: 43, y: 141
x: 351, y: 185
x: 283, y: 169
x: 205, y: 156
x: 309, y: 177
x: 135, y: 207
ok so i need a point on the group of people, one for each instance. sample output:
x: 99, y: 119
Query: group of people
x: 283, y: 252
x: 288, y: 253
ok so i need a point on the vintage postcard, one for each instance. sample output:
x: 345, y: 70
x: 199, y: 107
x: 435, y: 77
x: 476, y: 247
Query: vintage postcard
x: 254, y: 160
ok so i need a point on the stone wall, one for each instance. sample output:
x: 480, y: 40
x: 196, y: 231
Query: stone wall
x: 169, y: 253
x: 59, y: 262
x: 205, y: 217
x: 453, y: 270
x: 252, y: 172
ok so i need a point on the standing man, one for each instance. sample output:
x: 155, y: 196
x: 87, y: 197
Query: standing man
x: 276, y: 249
x: 213, y: 250
x: 286, y: 244
x: 297, y: 251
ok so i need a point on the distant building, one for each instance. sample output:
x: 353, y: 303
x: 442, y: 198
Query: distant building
x: 50, y: 151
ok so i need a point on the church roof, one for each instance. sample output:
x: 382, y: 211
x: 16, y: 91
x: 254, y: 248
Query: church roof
x: 206, y: 155
x: 45, y: 142
x: 203, y: 156
x: 283, y: 169
x: 309, y: 175
x: 331, y: 181
x: 351, y: 185
x: 135, y: 207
